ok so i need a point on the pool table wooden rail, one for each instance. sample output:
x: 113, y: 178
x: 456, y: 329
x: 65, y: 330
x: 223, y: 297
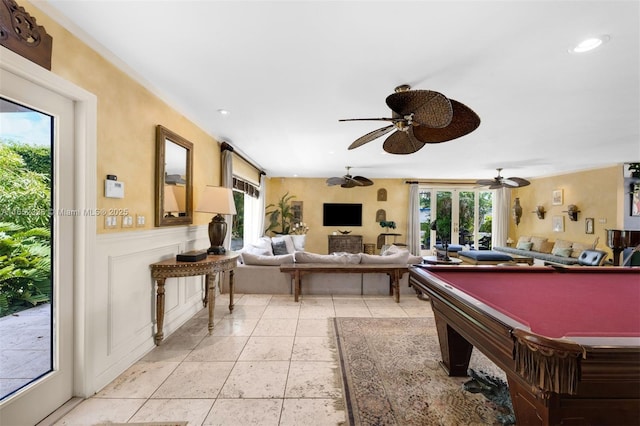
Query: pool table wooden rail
x: 587, y: 383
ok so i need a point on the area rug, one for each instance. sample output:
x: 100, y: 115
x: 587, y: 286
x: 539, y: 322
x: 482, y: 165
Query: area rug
x: 392, y: 376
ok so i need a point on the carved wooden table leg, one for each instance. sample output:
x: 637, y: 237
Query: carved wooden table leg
x: 211, y: 298
x: 205, y: 299
x: 231, y: 290
x: 159, y: 310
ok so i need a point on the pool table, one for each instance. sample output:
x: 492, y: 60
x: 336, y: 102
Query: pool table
x: 568, y: 339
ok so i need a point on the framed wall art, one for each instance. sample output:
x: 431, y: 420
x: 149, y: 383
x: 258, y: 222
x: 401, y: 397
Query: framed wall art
x: 556, y: 197
x: 588, y: 225
x: 558, y: 224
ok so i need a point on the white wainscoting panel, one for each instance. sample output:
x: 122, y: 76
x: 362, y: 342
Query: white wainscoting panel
x: 123, y: 307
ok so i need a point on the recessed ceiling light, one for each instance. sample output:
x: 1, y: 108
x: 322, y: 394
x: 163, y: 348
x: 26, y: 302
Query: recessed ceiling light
x: 223, y: 112
x: 590, y: 44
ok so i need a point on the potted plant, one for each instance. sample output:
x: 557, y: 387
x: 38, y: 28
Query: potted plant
x: 280, y: 216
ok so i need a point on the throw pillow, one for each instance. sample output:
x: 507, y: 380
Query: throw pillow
x: 522, y: 245
x: 546, y: 247
x: 562, y: 244
x: 536, y: 243
x: 279, y: 248
x: 299, y: 242
x: 523, y: 239
x: 255, y: 259
x: 578, y: 248
x: 561, y: 251
x: 262, y: 243
x: 287, y: 240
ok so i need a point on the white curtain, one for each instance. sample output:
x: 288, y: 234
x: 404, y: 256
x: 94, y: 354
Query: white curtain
x: 500, y: 213
x: 227, y: 182
x: 261, y: 205
x: 413, y: 231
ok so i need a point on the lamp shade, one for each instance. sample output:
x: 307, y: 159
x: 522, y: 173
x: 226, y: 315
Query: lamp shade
x: 216, y: 199
x: 170, y: 201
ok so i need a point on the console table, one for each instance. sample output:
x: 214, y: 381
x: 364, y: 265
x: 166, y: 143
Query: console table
x: 345, y: 243
x: 209, y: 267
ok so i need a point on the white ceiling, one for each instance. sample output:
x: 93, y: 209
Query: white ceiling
x: 287, y: 71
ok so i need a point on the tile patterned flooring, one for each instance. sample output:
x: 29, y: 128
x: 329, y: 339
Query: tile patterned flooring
x: 271, y: 362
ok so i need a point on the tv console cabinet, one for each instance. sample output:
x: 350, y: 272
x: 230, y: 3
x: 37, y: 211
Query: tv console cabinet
x: 345, y: 243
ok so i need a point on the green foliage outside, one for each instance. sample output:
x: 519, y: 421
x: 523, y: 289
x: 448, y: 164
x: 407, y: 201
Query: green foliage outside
x: 466, y: 207
x: 25, y: 237
x: 280, y: 216
x: 25, y: 195
x: 237, y: 228
x: 25, y: 267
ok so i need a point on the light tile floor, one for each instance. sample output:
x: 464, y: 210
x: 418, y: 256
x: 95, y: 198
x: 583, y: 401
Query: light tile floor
x: 271, y: 362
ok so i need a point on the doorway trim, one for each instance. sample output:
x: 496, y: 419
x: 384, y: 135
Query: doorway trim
x: 85, y: 140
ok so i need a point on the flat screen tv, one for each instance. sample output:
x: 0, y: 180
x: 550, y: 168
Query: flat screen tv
x: 342, y: 214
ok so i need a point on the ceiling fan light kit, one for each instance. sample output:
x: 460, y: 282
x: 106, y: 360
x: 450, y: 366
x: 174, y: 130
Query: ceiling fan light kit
x: 419, y: 117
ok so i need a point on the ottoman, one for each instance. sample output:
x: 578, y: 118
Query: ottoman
x: 484, y: 257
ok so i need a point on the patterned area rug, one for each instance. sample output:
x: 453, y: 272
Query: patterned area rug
x: 392, y: 376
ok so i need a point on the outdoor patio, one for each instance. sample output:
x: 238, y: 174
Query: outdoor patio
x: 25, y: 347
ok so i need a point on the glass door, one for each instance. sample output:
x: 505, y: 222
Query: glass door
x: 36, y: 253
x: 458, y: 216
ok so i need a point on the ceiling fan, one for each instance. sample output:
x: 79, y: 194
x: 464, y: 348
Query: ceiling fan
x: 348, y: 181
x: 419, y: 117
x: 502, y: 182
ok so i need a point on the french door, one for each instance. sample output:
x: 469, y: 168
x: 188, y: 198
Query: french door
x: 52, y: 384
x: 455, y: 216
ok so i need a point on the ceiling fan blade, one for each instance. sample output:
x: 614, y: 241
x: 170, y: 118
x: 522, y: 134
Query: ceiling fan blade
x: 402, y: 143
x: 516, y: 182
x: 363, y: 180
x: 486, y: 182
x: 464, y: 121
x: 349, y: 184
x: 429, y: 108
x: 392, y: 119
x: 335, y: 181
x: 371, y: 136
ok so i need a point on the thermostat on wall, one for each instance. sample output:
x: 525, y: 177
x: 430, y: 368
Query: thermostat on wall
x: 113, y: 189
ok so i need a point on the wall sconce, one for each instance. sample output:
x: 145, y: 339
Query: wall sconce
x: 517, y: 210
x: 572, y: 212
x: 540, y: 211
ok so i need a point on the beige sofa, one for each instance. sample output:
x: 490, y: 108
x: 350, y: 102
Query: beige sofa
x: 561, y: 252
x: 260, y: 274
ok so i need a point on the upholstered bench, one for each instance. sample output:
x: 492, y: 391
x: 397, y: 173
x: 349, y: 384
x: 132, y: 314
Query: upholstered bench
x: 452, y: 250
x: 484, y: 257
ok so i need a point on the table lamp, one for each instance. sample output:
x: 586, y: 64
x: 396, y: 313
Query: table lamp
x: 219, y: 200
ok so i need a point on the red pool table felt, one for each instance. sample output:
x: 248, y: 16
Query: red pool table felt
x: 557, y: 304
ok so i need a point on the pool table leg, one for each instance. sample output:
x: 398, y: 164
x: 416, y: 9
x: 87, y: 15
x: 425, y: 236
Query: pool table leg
x: 455, y: 350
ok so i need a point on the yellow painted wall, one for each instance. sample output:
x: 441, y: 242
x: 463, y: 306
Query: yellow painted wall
x: 595, y: 192
x: 314, y: 192
x: 127, y: 117
x: 128, y: 114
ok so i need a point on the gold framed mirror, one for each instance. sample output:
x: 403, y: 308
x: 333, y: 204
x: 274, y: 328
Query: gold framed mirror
x: 174, y: 178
